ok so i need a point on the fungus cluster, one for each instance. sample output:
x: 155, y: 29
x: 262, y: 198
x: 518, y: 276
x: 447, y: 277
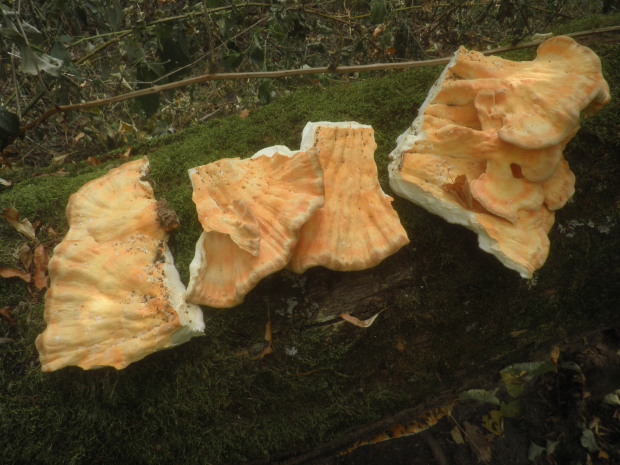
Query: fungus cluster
x: 251, y: 211
x: 115, y: 295
x: 484, y: 152
x: 321, y: 205
x: 486, y: 148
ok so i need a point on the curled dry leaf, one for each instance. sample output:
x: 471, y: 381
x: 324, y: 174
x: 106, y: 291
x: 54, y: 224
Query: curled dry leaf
x: 25, y: 256
x: 268, y: 339
x: 77, y: 138
x: 456, y: 435
x: 357, y: 322
x: 478, y: 442
x: 40, y: 267
x: 22, y: 225
x: 5, y: 312
x: 59, y: 160
x: 51, y: 233
x: 4, y: 182
x: 93, y: 161
x: 14, y: 273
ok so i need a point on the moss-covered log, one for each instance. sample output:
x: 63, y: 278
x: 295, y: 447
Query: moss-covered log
x: 451, y: 315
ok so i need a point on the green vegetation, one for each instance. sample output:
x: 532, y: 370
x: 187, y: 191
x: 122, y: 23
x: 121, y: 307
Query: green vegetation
x: 211, y: 400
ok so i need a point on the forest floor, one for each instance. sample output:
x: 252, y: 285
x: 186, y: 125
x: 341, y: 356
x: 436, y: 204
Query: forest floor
x: 564, y: 418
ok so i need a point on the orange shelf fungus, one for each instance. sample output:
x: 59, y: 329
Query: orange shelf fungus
x: 251, y: 211
x: 357, y: 228
x: 486, y: 148
x: 115, y: 295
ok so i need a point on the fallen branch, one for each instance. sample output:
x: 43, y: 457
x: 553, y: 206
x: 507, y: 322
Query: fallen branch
x: 275, y: 75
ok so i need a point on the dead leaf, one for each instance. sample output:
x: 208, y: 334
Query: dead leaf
x: 93, y: 161
x: 494, y: 422
x: 25, y: 256
x: 5, y: 313
x: 22, y: 225
x: 78, y: 137
x: 268, y: 335
x: 40, y: 267
x: 268, y: 338
x: 51, y: 233
x: 6, y: 340
x: 244, y: 113
x: 4, y: 182
x: 391, y: 51
x: 400, y: 344
x: 266, y: 351
x: 427, y: 7
x: 59, y: 160
x: 378, y: 31
x: 14, y: 273
x: 126, y: 128
x: 554, y: 355
x: 456, y: 435
x: 357, y: 322
x: 127, y: 153
x: 478, y: 442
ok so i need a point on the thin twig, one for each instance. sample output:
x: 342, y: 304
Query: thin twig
x: 17, y: 102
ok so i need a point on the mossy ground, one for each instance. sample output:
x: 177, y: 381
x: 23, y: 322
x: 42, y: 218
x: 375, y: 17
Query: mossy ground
x: 212, y: 401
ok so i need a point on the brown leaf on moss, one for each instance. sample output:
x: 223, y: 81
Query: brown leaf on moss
x: 14, y: 273
x: 22, y: 225
x: 25, y: 256
x: 51, y: 233
x: 40, y: 267
x: 268, y: 339
x: 5, y: 313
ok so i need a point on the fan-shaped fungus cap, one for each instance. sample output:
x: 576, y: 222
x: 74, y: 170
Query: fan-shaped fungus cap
x: 251, y: 211
x: 115, y: 295
x: 488, y: 140
x: 357, y: 228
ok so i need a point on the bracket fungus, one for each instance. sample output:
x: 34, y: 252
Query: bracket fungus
x: 486, y: 148
x: 115, y: 295
x: 357, y: 227
x: 251, y: 211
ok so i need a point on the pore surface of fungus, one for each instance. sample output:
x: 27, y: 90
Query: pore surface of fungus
x: 251, y: 211
x: 357, y: 227
x: 486, y: 148
x: 115, y: 295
